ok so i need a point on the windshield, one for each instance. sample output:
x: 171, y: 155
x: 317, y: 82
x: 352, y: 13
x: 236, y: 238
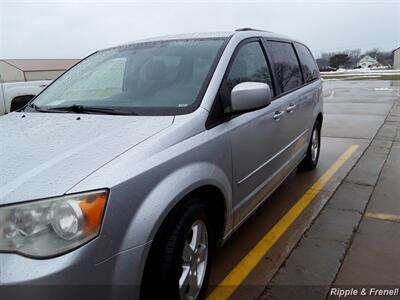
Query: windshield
x: 155, y: 78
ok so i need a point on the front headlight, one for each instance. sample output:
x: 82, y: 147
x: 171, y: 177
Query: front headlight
x: 50, y: 227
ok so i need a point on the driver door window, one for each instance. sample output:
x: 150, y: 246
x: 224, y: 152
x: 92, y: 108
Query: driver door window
x: 249, y: 65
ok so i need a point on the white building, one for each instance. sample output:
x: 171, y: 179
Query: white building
x: 367, y: 61
x: 33, y: 69
x: 396, y: 58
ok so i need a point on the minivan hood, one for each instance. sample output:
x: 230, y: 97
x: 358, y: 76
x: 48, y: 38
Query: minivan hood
x: 45, y: 154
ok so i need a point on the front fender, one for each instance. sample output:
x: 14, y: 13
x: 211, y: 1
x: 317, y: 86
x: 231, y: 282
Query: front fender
x: 166, y: 195
x: 147, y: 181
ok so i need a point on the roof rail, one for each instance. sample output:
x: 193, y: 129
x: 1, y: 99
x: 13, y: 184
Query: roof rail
x: 249, y: 29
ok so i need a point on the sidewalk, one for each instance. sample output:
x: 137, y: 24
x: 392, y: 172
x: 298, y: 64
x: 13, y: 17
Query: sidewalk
x: 355, y: 241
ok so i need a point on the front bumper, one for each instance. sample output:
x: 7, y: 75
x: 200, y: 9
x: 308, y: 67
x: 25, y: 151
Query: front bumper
x: 74, y: 276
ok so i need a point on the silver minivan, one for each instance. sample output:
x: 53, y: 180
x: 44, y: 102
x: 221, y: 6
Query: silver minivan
x: 125, y: 173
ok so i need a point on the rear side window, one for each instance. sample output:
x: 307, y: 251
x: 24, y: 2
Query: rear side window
x: 285, y: 64
x: 308, y: 64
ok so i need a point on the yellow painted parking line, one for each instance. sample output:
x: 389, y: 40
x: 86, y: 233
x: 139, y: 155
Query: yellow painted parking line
x: 383, y: 217
x: 239, y: 273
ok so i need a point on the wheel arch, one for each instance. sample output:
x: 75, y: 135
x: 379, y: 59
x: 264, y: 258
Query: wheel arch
x: 195, y: 179
x: 320, y: 118
x: 214, y: 201
x: 218, y: 205
x: 203, y: 179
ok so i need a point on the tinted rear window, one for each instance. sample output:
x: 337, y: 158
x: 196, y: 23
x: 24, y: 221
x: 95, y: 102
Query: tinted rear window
x: 286, y: 66
x: 308, y: 64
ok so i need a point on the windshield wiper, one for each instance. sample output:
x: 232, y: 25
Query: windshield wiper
x: 31, y: 107
x: 81, y: 109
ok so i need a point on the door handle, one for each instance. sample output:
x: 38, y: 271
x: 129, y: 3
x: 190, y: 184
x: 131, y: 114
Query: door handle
x: 291, y: 108
x: 278, y: 114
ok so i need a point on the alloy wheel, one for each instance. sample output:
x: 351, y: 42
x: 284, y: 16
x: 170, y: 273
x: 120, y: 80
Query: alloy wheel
x: 194, y: 261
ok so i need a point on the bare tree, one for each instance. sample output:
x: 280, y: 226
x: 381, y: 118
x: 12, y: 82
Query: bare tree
x: 339, y: 60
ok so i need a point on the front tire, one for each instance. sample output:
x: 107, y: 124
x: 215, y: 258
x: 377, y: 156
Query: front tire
x: 180, y: 257
x: 311, y: 160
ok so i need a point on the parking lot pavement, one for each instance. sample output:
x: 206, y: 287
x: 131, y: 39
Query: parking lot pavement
x: 356, y: 117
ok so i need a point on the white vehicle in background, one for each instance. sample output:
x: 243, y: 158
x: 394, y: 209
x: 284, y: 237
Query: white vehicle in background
x: 14, y: 95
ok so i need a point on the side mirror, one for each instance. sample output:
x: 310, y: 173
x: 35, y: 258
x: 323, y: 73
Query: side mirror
x: 250, y: 95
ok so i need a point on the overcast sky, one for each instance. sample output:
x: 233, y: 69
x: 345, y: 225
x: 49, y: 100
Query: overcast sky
x: 74, y: 29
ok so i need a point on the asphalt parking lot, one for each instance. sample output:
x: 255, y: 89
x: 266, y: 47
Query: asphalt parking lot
x: 314, y: 230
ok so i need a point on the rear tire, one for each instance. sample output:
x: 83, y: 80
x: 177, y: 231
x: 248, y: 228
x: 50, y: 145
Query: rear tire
x: 311, y: 160
x: 179, y: 261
